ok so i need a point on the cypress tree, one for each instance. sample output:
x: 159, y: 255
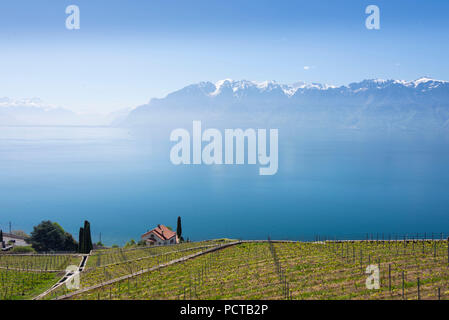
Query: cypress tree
x: 179, y: 229
x: 81, y: 241
x: 87, y: 243
x: 85, y: 237
x: 1, y: 238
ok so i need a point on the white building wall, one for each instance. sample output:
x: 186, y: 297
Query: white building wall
x: 19, y: 242
x: 160, y: 242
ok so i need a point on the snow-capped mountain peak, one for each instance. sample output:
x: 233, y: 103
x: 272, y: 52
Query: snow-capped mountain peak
x: 219, y: 85
x: 428, y: 82
x: 264, y: 89
x: 6, y: 102
x: 237, y: 87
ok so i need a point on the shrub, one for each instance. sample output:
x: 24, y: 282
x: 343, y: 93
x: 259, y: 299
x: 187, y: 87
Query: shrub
x: 27, y: 249
x: 50, y: 236
x: 130, y: 243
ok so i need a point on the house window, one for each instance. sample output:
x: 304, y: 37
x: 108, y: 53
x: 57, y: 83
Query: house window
x: 171, y: 241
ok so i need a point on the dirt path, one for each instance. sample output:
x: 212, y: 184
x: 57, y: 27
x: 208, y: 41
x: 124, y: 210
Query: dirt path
x: 67, y: 276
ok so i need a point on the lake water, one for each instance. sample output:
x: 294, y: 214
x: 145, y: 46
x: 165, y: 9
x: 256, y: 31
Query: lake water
x: 124, y: 184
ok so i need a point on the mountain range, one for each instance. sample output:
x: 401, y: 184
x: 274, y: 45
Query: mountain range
x: 31, y: 111
x: 34, y: 111
x: 422, y: 104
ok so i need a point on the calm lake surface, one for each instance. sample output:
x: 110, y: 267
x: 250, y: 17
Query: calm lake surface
x: 124, y: 183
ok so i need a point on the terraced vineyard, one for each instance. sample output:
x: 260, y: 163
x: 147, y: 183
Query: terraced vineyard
x: 106, y: 265
x: 25, y: 276
x: 51, y: 263
x: 114, y: 256
x: 318, y: 270
x: 337, y: 270
x: 242, y: 270
x: 24, y: 285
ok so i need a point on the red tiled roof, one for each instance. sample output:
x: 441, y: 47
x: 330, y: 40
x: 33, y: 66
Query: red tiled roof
x: 161, y: 232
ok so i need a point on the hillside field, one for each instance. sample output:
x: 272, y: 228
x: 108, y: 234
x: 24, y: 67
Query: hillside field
x: 228, y: 269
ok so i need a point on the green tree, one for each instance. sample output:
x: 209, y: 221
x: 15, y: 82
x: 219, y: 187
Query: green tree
x: 50, y: 236
x: 85, y: 239
x: 1, y: 238
x: 130, y: 243
x: 87, y: 242
x: 179, y: 229
x: 69, y: 243
x: 80, y: 241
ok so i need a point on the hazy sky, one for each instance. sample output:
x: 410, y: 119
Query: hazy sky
x: 127, y: 52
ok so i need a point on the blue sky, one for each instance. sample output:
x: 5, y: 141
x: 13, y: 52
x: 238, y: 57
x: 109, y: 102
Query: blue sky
x: 127, y: 52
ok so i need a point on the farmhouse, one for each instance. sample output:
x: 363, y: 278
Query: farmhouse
x: 160, y: 236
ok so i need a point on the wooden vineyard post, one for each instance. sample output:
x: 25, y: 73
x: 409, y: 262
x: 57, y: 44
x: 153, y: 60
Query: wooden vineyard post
x: 448, y: 250
x: 347, y: 251
x: 119, y: 291
x: 403, y: 286
x: 389, y: 277
x: 342, y: 250
x: 396, y: 244
x: 361, y: 260
x: 419, y: 293
x: 439, y: 293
